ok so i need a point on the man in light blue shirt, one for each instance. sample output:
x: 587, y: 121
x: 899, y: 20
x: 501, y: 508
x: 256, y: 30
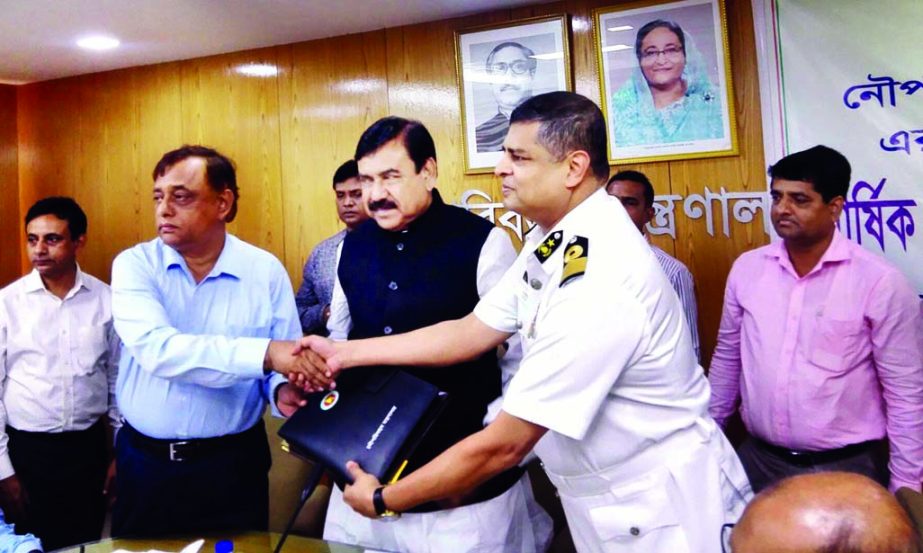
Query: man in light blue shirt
x: 204, y: 320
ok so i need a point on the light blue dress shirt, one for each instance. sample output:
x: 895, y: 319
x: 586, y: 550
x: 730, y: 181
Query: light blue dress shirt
x: 11, y: 542
x: 192, y: 354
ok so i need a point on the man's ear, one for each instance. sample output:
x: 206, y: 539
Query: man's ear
x: 430, y: 171
x: 225, y: 203
x: 578, y: 163
x: 836, y: 207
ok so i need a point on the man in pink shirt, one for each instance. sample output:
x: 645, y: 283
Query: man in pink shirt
x: 821, y: 342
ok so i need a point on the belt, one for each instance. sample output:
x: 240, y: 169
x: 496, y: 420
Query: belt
x: 186, y: 450
x: 812, y: 458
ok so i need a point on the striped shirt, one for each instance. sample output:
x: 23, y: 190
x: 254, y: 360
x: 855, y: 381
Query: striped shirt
x: 681, y: 279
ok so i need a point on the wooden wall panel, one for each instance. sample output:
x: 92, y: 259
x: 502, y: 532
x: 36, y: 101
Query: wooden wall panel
x: 97, y: 139
x: 11, y: 231
x: 98, y: 136
x: 330, y: 91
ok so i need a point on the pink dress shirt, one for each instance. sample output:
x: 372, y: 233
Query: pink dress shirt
x: 825, y: 360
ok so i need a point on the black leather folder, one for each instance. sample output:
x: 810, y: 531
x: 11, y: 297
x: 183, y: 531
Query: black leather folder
x: 376, y: 417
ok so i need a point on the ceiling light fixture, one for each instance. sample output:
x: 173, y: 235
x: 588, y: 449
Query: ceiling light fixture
x: 98, y: 42
x: 257, y: 70
x: 620, y: 28
x: 550, y: 56
x: 617, y: 48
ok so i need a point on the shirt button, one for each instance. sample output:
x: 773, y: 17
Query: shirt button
x: 400, y: 246
x: 635, y: 531
x: 388, y: 330
x: 536, y: 284
x: 392, y: 285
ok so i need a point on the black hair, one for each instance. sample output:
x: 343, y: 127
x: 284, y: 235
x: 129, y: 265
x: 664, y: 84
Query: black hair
x: 568, y: 122
x: 655, y: 24
x: 219, y: 170
x: 349, y: 170
x: 640, y: 178
x: 63, y: 208
x: 825, y: 168
x: 414, y: 136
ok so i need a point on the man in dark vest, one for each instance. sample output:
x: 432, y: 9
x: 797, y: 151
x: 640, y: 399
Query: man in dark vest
x: 417, y: 262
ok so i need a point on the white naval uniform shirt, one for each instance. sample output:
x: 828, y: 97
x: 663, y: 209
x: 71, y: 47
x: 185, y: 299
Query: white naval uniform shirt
x: 607, y: 359
x: 58, y: 358
x: 609, y: 369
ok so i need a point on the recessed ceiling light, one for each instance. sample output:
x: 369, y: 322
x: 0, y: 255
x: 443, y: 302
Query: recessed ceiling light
x: 620, y: 28
x: 98, y: 42
x: 257, y: 70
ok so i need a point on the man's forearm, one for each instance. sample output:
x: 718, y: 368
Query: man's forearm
x: 442, y: 344
x: 456, y: 471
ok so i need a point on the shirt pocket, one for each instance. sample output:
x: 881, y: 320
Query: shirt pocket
x: 836, y: 343
x: 642, y: 520
x: 90, y: 348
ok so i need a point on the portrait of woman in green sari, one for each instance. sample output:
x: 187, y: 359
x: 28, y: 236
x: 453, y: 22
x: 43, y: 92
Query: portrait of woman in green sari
x: 669, y: 97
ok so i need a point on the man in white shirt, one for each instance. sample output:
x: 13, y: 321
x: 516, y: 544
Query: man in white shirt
x: 58, y: 365
x: 636, y: 193
x: 608, y: 392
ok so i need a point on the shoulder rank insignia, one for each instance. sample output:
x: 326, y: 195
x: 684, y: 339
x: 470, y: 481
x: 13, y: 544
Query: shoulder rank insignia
x: 548, y: 247
x: 575, y: 258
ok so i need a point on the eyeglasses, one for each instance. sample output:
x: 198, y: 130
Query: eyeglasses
x: 518, y: 67
x: 726, y: 537
x: 670, y: 52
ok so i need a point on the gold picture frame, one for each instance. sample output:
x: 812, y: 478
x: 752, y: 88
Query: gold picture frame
x: 668, y: 95
x: 499, y: 66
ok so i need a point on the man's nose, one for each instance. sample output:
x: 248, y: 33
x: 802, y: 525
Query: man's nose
x: 164, y: 208
x: 376, y: 191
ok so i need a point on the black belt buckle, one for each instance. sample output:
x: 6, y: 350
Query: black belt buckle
x: 176, y: 451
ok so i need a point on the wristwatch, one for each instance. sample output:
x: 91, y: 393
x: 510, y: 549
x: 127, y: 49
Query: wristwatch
x: 378, y: 501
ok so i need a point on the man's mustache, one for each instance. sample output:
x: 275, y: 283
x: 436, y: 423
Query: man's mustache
x: 381, y: 204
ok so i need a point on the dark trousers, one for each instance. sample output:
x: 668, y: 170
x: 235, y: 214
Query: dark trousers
x: 764, y: 467
x: 63, y: 475
x: 222, y: 485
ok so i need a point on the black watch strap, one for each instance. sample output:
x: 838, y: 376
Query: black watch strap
x: 378, y: 501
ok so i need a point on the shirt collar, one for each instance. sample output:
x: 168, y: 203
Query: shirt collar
x: 228, y: 263
x: 547, y: 245
x: 837, y: 251
x: 33, y: 283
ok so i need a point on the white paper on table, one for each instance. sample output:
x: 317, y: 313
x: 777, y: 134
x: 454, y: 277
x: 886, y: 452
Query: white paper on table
x: 193, y: 547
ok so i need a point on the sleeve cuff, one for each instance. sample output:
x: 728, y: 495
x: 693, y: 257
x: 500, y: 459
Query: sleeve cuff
x: 898, y: 484
x: 494, y: 318
x: 272, y: 383
x: 543, y: 416
x: 249, y: 355
x: 6, y: 466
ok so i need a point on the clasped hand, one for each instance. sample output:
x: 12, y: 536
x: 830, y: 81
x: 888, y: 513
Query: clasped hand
x: 309, y: 364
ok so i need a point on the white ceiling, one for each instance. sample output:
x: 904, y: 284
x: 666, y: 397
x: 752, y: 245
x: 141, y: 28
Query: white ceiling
x: 37, y: 37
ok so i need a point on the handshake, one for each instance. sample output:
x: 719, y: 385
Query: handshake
x: 310, y: 364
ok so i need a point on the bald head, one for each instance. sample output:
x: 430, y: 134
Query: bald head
x: 829, y: 512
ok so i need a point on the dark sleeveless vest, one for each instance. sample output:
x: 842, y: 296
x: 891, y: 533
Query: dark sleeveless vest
x: 395, y: 282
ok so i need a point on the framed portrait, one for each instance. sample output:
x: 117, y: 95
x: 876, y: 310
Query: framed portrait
x: 499, y: 67
x: 665, y: 80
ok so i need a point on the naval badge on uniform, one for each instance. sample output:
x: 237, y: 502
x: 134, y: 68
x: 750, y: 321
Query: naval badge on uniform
x: 575, y: 258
